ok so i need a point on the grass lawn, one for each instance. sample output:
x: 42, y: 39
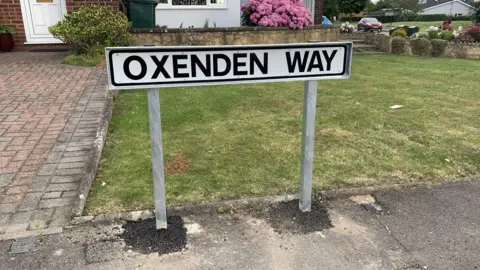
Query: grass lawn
x: 424, y: 25
x: 244, y: 140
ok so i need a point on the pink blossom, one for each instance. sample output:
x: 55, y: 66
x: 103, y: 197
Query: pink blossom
x: 290, y: 13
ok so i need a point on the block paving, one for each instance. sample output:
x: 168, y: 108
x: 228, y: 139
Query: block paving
x: 49, y: 116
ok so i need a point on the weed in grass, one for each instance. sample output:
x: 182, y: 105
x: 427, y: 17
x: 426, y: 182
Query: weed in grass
x: 85, y: 60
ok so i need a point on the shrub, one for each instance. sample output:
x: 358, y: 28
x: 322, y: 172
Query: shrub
x: 346, y: 28
x: 420, y: 46
x: 5, y: 29
x: 433, y: 17
x: 438, y: 47
x: 421, y: 35
x: 399, y: 45
x: 446, y: 35
x: 463, y: 18
x: 410, y: 16
x: 289, y: 13
x: 476, y: 13
x: 400, y: 32
x: 91, y: 28
x: 432, y: 32
x: 385, y: 19
x: 474, y: 28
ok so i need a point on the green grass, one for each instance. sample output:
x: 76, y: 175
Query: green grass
x: 424, y: 25
x: 84, y: 60
x: 244, y: 140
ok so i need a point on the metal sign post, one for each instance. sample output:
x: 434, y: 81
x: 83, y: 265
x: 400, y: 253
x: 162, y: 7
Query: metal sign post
x: 308, y: 140
x: 156, y: 67
x: 154, y: 117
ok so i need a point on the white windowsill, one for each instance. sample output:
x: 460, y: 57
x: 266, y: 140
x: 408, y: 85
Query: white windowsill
x: 168, y: 7
x: 42, y: 42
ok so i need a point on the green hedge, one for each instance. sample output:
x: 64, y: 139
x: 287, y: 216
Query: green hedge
x: 386, y: 19
x: 399, y: 45
x: 421, y: 17
x: 463, y: 18
x: 347, y: 19
x: 421, y: 46
x: 438, y: 47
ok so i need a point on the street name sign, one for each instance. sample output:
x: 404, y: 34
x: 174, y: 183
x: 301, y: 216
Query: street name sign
x: 152, y: 67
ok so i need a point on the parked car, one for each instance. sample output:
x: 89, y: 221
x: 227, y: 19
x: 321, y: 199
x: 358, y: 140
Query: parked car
x: 369, y: 24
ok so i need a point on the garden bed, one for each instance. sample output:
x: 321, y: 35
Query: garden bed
x: 225, y: 142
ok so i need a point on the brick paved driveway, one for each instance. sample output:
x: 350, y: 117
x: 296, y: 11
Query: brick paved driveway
x: 49, y: 115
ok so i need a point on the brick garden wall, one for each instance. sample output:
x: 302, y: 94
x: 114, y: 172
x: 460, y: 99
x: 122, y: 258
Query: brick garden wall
x: 11, y: 15
x: 233, y: 36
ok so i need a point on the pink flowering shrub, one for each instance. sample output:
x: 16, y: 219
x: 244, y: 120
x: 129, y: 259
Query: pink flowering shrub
x: 474, y: 28
x: 289, y: 13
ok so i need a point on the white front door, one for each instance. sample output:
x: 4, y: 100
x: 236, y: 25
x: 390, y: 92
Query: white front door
x: 38, y: 15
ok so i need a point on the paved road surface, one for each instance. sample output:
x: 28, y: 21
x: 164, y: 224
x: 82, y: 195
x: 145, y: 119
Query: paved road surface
x: 426, y: 229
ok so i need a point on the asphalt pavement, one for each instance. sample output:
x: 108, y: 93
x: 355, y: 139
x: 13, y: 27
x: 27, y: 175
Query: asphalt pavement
x: 413, y: 228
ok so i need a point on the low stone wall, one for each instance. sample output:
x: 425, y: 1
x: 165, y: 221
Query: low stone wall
x: 233, y: 36
x: 381, y: 42
x: 354, y: 35
x: 463, y: 50
x: 453, y: 49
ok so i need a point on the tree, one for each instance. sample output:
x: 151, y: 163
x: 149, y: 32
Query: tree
x: 476, y: 13
x: 411, y: 5
x: 370, y: 6
x: 351, y: 6
x: 381, y: 4
x: 331, y: 8
x: 399, y: 5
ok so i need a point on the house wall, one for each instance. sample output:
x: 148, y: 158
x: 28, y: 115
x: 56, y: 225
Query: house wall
x: 196, y: 16
x: 451, y: 8
x: 318, y: 12
x: 11, y: 15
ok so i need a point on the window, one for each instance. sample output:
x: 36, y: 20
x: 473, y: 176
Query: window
x: 194, y: 3
x: 189, y: 2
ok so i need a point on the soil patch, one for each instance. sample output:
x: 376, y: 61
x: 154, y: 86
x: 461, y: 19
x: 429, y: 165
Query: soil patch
x: 102, y: 63
x: 287, y: 217
x: 179, y: 164
x: 142, y: 236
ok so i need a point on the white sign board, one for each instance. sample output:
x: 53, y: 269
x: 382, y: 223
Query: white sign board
x: 153, y: 67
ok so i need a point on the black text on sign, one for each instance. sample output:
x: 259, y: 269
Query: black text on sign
x: 147, y: 67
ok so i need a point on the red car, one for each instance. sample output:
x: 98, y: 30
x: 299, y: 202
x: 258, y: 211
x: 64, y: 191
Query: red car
x: 369, y: 24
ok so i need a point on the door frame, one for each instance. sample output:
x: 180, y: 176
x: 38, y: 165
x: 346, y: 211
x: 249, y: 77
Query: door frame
x: 28, y: 24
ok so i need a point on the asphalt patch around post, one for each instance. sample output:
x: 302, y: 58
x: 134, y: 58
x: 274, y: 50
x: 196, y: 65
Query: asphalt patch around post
x: 287, y: 217
x: 143, y: 237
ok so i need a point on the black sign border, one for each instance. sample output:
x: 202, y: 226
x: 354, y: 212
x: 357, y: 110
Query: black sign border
x: 220, y: 48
